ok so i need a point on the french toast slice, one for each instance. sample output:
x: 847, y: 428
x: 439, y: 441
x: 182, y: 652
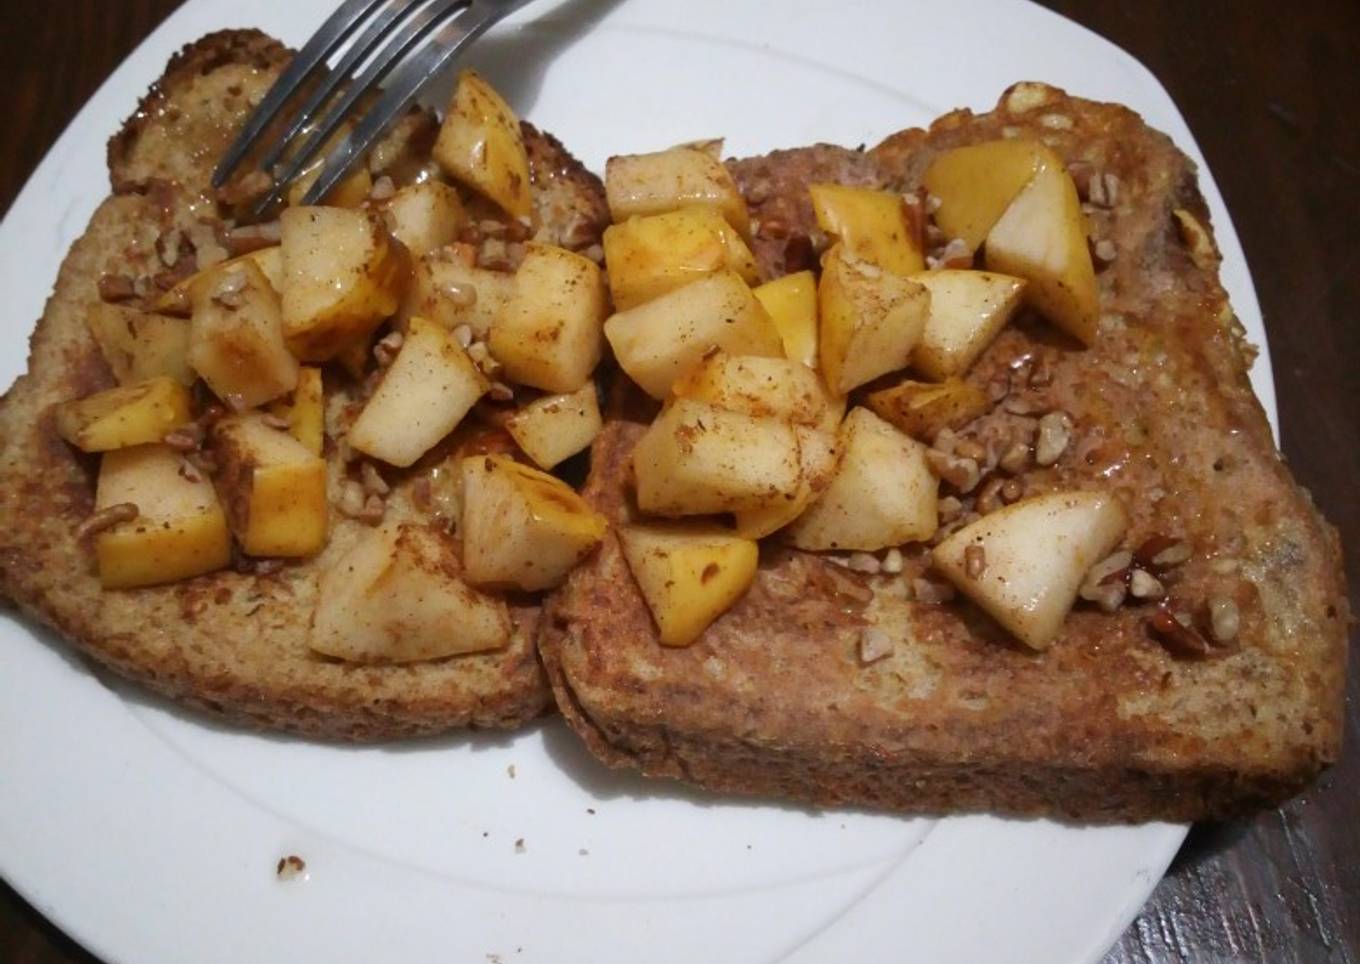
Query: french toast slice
x: 231, y: 643
x: 1109, y: 724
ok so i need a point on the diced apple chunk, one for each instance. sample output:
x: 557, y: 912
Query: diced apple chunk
x: 695, y: 459
x: 817, y: 459
x: 179, y: 299
x: 922, y: 409
x: 689, y: 574
x: 648, y: 256
x: 556, y: 427
x: 236, y: 337
x: 306, y: 410
x: 755, y: 385
x: 342, y: 275
x: 425, y: 216
x: 429, y: 387
x: 139, y: 345
x: 657, y: 342
x: 398, y: 596
x: 549, y: 334
x: 273, y: 488
x: 968, y: 309
x: 643, y: 184
x: 883, y: 493
x: 871, y: 224
x: 791, y: 302
x: 179, y: 530
x: 1028, y: 560
x: 522, y: 528
x: 127, y: 415
x: 447, y: 289
x: 480, y: 145
x: 871, y: 320
x: 976, y: 183
x: 1042, y: 238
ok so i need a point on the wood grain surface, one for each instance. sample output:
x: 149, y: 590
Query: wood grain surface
x: 1263, y: 86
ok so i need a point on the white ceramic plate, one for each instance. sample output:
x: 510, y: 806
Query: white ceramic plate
x: 152, y: 836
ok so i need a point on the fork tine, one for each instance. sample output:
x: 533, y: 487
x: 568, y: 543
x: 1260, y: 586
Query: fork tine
x: 397, y: 48
x: 336, y: 28
x: 354, y: 55
x: 405, y: 84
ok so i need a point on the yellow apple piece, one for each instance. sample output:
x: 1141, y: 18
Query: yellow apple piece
x: 871, y: 319
x: 342, y: 275
x: 179, y: 530
x: 429, y: 387
x: 648, y: 256
x: 690, y: 573
x: 657, y: 342
x: 446, y: 289
x: 272, y: 486
x: 871, y: 224
x: 117, y: 418
x: 479, y: 144
x: 791, y: 302
x: 236, y: 337
x: 643, y: 184
x: 883, y: 492
x: 968, y: 309
x: 1042, y: 238
x: 975, y: 185
x: 1029, y: 558
x: 305, y: 411
x: 351, y: 191
x: 695, y: 459
x: 398, y: 596
x: 522, y: 528
x: 179, y: 299
x: 756, y: 385
x: 817, y: 460
x: 550, y: 333
x: 556, y: 427
x: 922, y: 409
x: 425, y: 216
x: 139, y: 345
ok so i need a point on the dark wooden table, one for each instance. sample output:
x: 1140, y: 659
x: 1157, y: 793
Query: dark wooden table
x: 1263, y: 86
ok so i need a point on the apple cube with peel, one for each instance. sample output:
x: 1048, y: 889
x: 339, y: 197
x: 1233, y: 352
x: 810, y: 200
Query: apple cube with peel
x: 968, y: 309
x: 644, y: 184
x: 556, y: 427
x: 922, y: 409
x: 179, y: 530
x: 871, y: 320
x: 872, y: 225
x: 429, y: 387
x: 398, y: 596
x: 657, y: 342
x: 236, y: 338
x: 549, y: 334
x: 648, y: 256
x: 1042, y: 238
x: 127, y: 415
x: 139, y: 345
x: 756, y: 385
x: 448, y: 289
x: 480, y: 145
x: 977, y: 183
x: 305, y: 411
x: 522, y: 528
x: 817, y: 458
x: 273, y: 488
x: 883, y: 492
x: 791, y: 302
x: 690, y: 573
x: 696, y: 459
x: 343, y: 274
x: 1029, y: 558
x: 425, y: 216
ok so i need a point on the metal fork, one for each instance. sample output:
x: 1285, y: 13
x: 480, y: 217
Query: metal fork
x: 403, y: 42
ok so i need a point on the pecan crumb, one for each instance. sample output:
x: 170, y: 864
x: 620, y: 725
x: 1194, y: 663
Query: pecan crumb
x: 974, y: 561
x: 106, y: 518
x: 290, y: 867
x: 1055, y: 434
x: 874, y: 644
x: 1179, y: 638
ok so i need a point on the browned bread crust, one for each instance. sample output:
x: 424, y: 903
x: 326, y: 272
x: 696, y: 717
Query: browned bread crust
x: 230, y: 643
x: 1105, y: 726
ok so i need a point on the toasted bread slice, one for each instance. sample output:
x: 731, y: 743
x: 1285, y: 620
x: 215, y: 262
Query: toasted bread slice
x: 231, y: 643
x: 1108, y: 724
